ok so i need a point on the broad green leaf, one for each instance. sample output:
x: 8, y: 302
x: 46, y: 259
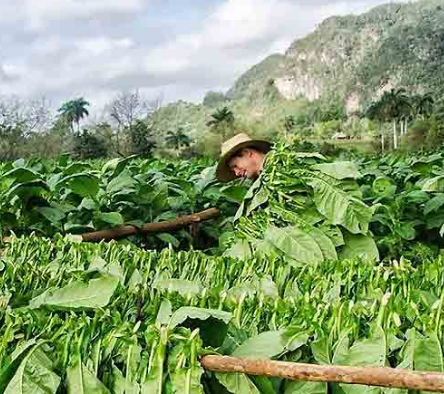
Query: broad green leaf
x: 237, y: 383
x: 19, y: 175
x: 78, y: 295
x: 340, y: 208
x: 83, y: 184
x: 27, y: 189
x: 367, y: 352
x: 122, y: 183
x: 240, y: 250
x: 434, y: 184
x: 306, y: 388
x: 383, y: 187
x: 80, y: 380
x: 359, y: 246
x: 187, y: 381
x: 324, y: 242
x: 320, y: 350
x: 263, y: 346
x: 434, y: 204
x: 34, y: 375
x: 88, y: 204
x: 181, y: 286
x: 184, y: 313
x: 114, y: 218
x: 295, y: 243
x: 54, y: 215
x: 339, y: 169
x: 9, y: 368
x: 260, y: 198
x: 169, y: 239
x: 165, y: 313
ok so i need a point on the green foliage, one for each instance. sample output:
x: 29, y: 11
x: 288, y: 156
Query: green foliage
x: 214, y: 99
x: 177, y: 139
x: 142, y: 139
x: 74, y: 111
x: 129, y: 334
x: 88, y: 146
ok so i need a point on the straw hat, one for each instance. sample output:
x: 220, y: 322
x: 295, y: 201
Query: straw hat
x: 231, y: 147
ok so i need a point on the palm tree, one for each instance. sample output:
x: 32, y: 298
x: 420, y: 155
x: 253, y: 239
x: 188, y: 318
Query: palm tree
x: 220, y: 120
x: 375, y: 113
x: 423, y: 105
x: 74, y: 111
x: 177, y: 139
x: 393, y: 103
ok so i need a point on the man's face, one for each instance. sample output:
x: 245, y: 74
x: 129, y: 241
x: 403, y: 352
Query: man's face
x: 247, y: 164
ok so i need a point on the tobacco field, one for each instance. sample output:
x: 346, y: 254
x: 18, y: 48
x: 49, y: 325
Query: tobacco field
x: 321, y: 260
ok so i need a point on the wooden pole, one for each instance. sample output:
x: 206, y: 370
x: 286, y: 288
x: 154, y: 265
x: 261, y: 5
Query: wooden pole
x: 370, y: 376
x: 159, y: 227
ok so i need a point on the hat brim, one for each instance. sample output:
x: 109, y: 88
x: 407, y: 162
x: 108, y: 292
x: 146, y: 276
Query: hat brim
x: 223, y: 172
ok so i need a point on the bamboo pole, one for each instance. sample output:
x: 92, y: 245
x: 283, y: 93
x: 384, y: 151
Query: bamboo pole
x: 370, y: 376
x: 152, y: 227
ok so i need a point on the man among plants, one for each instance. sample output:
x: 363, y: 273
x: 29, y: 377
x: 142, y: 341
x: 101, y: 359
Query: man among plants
x: 241, y: 157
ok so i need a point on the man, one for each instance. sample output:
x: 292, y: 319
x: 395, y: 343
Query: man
x: 241, y: 157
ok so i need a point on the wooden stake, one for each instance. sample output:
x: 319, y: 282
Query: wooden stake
x: 152, y: 227
x: 370, y: 376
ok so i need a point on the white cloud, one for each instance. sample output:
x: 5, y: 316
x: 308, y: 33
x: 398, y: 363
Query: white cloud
x: 209, y: 55
x: 39, y: 13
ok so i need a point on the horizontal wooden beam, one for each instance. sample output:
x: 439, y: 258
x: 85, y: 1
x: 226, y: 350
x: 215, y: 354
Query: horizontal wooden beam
x: 159, y: 227
x: 369, y: 376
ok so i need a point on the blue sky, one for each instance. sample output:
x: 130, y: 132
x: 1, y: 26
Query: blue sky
x: 176, y: 49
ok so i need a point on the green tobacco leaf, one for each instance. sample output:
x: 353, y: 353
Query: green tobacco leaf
x: 169, y: 239
x: 240, y: 250
x: 181, y: 286
x: 340, y: 208
x: 434, y: 184
x: 237, y: 383
x: 260, y: 198
x: 419, y: 353
x: 434, y: 204
x: 306, y: 388
x: 80, y: 380
x: 27, y: 189
x: 78, y: 295
x: 359, y: 246
x: 122, y: 183
x: 114, y: 218
x: 295, y: 243
x: 84, y: 184
x: 54, y: 215
x: 164, y: 314
x: 8, y: 369
x: 34, y: 375
x: 367, y: 352
x: 20, y: 175
x: 187, y: 381
x: 184, y: 313
x: 324, y: 242
x: 320, y: 350
x: 234, y: 193
x: 339, y: 169
x: 269, y: 344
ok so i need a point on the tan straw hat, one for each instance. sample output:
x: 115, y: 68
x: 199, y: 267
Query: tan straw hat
x: 231, y: 147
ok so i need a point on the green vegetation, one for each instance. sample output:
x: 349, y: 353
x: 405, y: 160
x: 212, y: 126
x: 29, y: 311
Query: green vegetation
x: 112, y: 319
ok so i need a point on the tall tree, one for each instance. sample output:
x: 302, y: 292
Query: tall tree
x: 221, y: 121
x: 125, y: 110
x: 74, y: 111
x: 177, y: 139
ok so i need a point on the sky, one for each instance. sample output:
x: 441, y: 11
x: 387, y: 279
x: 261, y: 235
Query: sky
x: 169, y: 49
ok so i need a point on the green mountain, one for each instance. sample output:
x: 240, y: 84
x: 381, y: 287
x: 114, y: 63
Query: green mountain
x: 355, y: 57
